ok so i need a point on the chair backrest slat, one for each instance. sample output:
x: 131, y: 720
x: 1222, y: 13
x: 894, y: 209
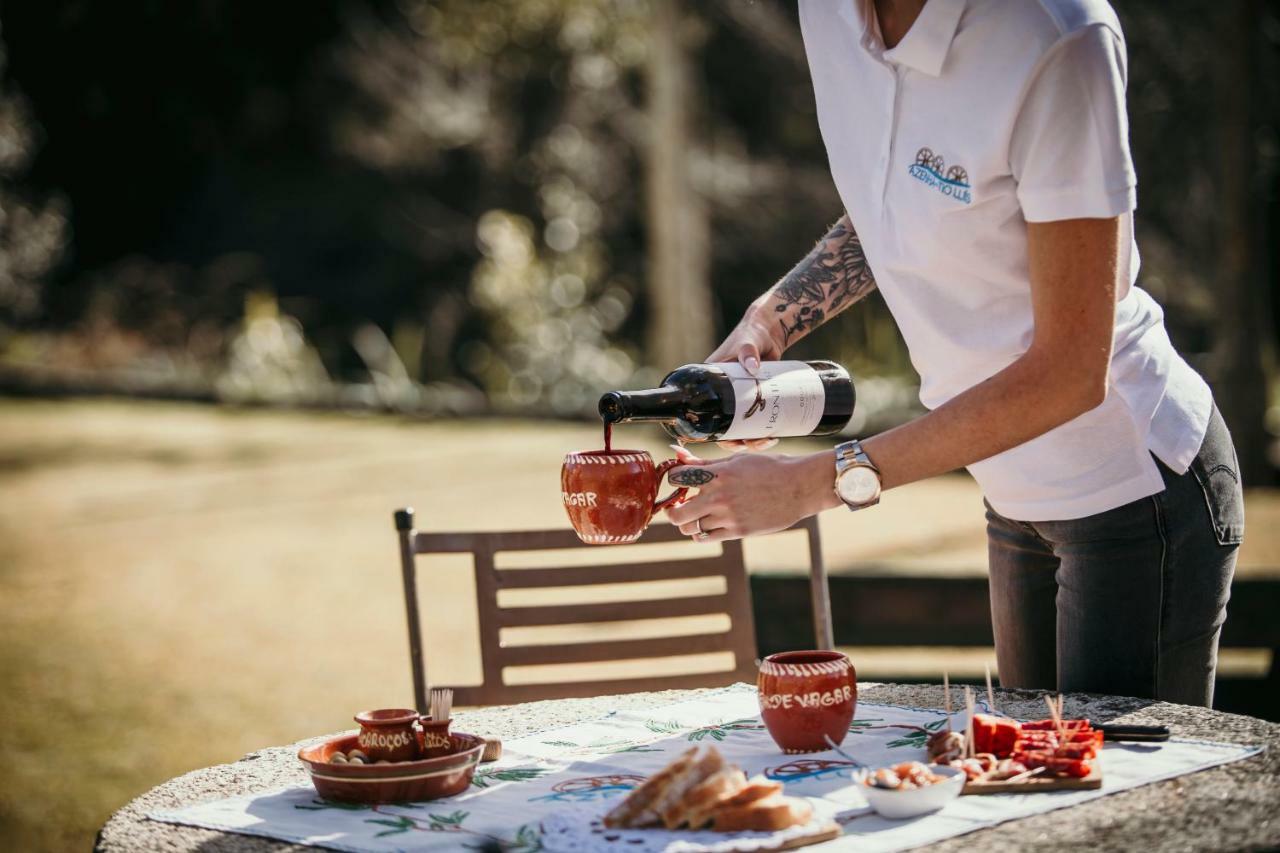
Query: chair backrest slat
x: 612, y: 611
x: 614, y: 650
x: 525, y: 540
x: 497, y: 658
x: 510, y: 694
x: 616, y: 573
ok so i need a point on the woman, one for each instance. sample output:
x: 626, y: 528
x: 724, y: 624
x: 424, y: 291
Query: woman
x: 980, y: 148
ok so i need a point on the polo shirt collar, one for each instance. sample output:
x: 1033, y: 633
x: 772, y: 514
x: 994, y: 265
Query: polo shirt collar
x: 925, y: 46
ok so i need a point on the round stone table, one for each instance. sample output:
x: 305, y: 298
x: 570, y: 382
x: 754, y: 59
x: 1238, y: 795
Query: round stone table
x: 1231, y: 807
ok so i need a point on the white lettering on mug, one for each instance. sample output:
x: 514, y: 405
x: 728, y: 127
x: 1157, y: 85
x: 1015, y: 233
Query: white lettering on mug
x: 838, y: 696
x: 380, y: 740
x: 579, y: 498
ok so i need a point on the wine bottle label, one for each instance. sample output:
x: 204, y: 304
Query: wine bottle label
x: 786, y: 398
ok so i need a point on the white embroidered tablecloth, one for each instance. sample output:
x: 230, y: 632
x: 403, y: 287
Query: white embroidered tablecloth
x: 582, y: 767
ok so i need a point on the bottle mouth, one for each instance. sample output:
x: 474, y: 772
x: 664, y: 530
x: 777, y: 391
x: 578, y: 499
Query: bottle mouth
x: 610, y: 406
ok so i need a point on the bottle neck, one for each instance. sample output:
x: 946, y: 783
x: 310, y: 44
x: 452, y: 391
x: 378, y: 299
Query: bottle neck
x: 654, y: 404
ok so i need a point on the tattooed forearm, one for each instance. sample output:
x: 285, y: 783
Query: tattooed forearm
x: 830, y: 278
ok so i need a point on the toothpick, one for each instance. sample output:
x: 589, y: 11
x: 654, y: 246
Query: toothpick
x: 1055, y: 714
x: 946, y: 697
x: 991, y: 694
x: 970, y: 746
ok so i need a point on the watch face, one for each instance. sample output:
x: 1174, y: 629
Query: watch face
x: 859, y: 485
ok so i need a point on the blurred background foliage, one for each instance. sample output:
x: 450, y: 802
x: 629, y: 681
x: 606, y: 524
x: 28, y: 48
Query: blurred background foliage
x: 474, y: 206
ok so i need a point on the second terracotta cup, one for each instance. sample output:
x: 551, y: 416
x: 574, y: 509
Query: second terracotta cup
x: 806, y: 697
x: 611, y: 496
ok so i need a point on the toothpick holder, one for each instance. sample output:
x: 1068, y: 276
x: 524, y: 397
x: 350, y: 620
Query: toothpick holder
x: 435, y: 736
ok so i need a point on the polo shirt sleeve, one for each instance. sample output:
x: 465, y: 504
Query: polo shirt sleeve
x: 1069, y: 150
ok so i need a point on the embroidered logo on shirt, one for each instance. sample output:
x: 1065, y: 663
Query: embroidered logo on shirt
x: 929, y: 169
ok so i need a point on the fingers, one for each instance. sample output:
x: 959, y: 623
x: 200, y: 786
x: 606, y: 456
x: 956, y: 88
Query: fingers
x: 695, y: 476
x: 718, y: 534
x: 749, y: 357
x: 754, y: 445
x: 746, y: 353
x: 686, y: 456
x: 685, y: 514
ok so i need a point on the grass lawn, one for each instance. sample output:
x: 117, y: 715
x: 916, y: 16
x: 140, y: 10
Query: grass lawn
x: 180, y: 585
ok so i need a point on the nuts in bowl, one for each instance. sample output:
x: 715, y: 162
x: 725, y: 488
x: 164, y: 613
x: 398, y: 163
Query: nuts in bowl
x: 911, y: 789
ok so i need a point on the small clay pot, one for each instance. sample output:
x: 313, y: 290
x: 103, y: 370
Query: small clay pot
x: 435, y: 737
x: 806, y: 697
x: 387, y: 734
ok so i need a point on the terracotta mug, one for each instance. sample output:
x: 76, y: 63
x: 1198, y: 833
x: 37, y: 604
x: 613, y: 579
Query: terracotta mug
x: 611, y: 496
x: 388, y: 735
x: 806, y: 697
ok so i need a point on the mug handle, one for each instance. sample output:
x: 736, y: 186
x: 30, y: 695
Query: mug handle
x: 676, y: 496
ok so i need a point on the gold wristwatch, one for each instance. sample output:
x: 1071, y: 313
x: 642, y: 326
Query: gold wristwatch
x: 857, y: 478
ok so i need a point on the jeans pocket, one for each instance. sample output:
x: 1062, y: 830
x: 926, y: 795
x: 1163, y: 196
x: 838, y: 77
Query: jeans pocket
x: 1219, y: 479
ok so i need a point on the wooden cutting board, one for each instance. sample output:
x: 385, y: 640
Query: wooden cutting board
x: 1035, y: 784
x: 829, y: 832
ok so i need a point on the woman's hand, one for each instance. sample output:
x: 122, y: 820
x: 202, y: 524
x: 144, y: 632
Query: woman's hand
x: 751, y: 342
x: 749, y: 494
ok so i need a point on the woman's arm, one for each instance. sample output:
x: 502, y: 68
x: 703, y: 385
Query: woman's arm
x: 828, y: 280
x: 1074, y: 269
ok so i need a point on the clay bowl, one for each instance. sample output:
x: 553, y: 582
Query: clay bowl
x: 399, y: 782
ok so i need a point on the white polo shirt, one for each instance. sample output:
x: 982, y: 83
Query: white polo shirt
x: 987, y: 115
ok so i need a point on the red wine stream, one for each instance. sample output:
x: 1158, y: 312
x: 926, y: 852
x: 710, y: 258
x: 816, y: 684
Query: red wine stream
x: 608, y: 436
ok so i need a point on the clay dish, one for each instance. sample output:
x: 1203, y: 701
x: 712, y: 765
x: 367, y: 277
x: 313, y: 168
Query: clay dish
x: 398, y: 782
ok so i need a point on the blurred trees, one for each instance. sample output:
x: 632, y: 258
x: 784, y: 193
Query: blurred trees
x: 522, y: 201
x: 33, y: 225
x: 1241, y: 343
x: 680, y: 324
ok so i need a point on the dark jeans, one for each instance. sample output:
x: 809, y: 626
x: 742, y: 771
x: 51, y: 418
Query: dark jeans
x: 1129, y: 601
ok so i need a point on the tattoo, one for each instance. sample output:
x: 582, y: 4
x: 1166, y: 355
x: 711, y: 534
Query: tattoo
x: 830, y: 278
x: 690, y: 477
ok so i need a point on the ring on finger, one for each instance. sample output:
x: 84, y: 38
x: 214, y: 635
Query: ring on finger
x: 698, y: 524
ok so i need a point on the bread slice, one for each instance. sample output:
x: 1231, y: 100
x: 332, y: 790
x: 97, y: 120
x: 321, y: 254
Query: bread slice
x: 770, y: 814
x: 636, y: 809
x: 757, y: 788
x: 708, y: 794
x: 670, y: 804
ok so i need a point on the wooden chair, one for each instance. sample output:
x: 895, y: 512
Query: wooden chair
x: 735, y: 601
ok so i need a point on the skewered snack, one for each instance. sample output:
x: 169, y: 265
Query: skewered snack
x: 995, y: 749
x: 698, y: 788
x: 945, y: 746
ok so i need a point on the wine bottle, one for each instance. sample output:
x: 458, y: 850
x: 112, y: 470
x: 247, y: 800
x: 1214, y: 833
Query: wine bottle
x: 718, y: 402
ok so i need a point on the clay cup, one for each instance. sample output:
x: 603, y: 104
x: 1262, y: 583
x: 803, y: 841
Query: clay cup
x: 388, y: 734
x: 806, y: 697
x: 611, y: 496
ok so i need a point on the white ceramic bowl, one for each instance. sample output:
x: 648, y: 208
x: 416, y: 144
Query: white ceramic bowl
x: 916, y: 801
